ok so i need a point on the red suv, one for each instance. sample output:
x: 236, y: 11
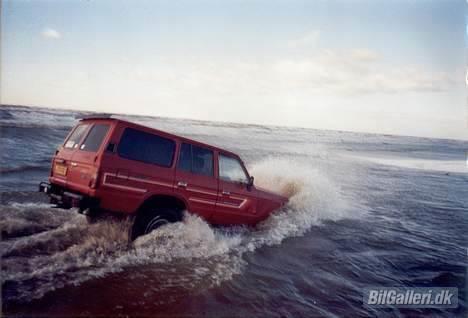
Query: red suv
x: 111, y: 165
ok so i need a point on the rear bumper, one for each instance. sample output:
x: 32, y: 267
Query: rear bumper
x: 45, y: 187
x: 66, y: 199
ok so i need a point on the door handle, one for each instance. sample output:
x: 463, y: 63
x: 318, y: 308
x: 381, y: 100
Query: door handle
x: 226, y: 192
x: 74, y: 164
x: 182, y: 184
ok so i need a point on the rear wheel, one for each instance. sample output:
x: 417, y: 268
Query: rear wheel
x: 92, y: 215
x: 149, y: 220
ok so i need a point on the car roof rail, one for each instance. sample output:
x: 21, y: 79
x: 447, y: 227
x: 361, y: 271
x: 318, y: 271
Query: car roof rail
x: 94, y: 116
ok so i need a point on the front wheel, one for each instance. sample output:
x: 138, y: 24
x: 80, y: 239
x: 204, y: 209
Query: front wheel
x: 149, y: 220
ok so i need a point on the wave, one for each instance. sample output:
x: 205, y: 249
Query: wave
x: 23, y: 168
x: 447, y: 166
x: 74, y: 251
x: 25, y: 219
x: 26, y: 117
x: 5, y: 114
x: 25, y: 125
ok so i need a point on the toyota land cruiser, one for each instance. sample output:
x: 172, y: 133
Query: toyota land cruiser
x: 112, y: 165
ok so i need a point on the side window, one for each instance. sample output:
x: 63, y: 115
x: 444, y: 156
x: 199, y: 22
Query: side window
x: 142, y: 146
x: 196, y: 159
x: 202, y: 161
x: 76, y: 136
x: 230, y: 169
x: 95, y: 137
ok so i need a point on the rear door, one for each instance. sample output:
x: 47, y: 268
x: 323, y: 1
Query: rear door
x: 62, y: 161
x: 141, y: 165
x: 195, y: 179
x: 236, y: 203
x: 83, y: 167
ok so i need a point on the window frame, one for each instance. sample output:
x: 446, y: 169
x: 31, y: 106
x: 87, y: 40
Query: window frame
x: 182, y: 143
x: 213, y: 160
x: 241, y: 164
x: 77, y: 144
x: 143, y: 161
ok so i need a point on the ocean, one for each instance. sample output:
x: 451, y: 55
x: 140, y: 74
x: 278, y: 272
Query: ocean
x: 368, y: 210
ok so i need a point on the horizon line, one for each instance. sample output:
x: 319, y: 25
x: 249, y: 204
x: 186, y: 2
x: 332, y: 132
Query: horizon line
x: 232, y: 122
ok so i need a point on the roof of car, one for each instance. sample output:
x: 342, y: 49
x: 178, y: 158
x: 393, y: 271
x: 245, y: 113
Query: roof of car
x: 124, y: 121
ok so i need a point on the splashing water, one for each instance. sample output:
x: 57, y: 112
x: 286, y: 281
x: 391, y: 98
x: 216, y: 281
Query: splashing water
x: 312, y: 198
x: 59, y: 248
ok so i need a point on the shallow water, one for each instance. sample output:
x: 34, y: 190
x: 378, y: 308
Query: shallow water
x: 366, y: 210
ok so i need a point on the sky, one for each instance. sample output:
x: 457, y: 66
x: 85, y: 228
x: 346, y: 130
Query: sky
x: 391, y: 67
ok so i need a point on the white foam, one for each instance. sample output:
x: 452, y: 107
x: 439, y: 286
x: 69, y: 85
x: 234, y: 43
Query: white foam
x: 30, y: 205
x: 454, y: 166
x: 313, y: 199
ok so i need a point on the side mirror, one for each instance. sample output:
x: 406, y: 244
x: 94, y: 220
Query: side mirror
x: 250, y: 182
x: 57, y: 150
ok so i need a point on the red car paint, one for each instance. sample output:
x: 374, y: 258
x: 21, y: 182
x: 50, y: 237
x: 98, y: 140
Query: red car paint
x: 107, y: 176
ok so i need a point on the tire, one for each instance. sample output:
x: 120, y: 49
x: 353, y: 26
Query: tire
x: 149, y: 220
x: 93, y: 215
x: 91, y: 219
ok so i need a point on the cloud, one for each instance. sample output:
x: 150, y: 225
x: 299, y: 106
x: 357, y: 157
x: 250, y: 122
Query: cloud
x: 346, y: 73
x: 353, y: 71
x: 364, y: 55
x: 307, y: 40
x: 357, y: 72
x: 49, y: 33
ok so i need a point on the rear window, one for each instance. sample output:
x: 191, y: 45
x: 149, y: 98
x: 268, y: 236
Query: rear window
x: 76, y: 136
x: 196, y: 160
x: 146, y: 147
x: 95, y: 137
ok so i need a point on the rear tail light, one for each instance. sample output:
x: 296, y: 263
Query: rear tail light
x: 93, y: 183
